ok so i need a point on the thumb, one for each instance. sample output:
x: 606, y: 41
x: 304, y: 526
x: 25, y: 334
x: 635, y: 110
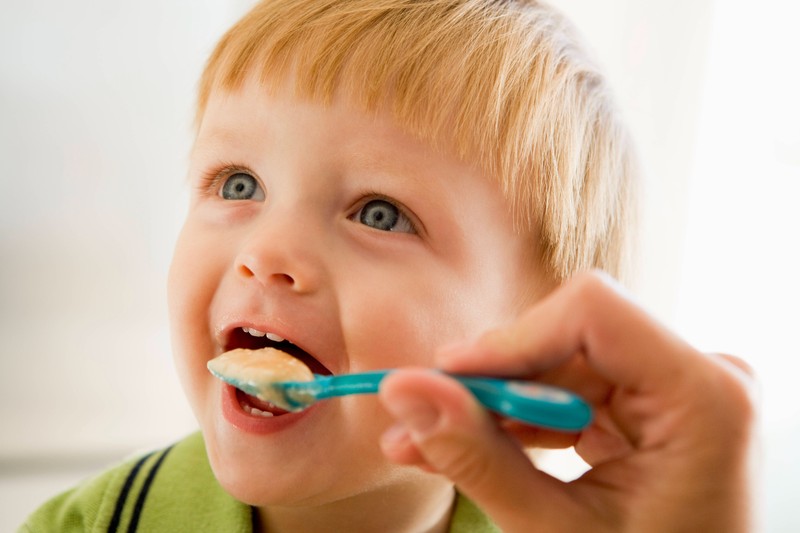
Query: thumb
x: 442, y: 428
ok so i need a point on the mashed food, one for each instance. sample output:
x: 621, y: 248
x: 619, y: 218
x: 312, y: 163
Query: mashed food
x: 259, y: 369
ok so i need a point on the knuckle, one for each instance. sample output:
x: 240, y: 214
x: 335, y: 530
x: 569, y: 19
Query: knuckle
x: 737, y: 388
x: 740, y: 364
x: 743, y: 395
x: 593, y: 286
x: 593, y: 296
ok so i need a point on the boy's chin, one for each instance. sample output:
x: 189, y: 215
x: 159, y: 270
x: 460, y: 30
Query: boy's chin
x: 261, y: 487
x: 293, y: 481
x: 275, y: 486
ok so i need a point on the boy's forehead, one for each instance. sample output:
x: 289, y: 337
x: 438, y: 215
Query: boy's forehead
x: 252, y: 113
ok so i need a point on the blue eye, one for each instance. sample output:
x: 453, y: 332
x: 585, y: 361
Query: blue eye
x: 384, y: 216
x: 241, y: 186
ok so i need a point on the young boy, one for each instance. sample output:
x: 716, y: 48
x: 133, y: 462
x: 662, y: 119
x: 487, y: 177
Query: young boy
x: 371, y: 180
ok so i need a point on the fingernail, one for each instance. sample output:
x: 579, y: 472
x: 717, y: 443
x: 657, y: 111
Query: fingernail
x: 454, y: 350
x: 419, y: 417
x: 395, y: 436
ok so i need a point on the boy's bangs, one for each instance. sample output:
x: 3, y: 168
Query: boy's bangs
x: 444, y: 68
x: 498, y: 82
x: 430, y: 58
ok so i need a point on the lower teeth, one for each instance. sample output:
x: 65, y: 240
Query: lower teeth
x: 256, y: 411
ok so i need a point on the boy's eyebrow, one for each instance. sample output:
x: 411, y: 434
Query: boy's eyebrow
x: 369, y: 154
x: 213, y: 142
x: 215, y: 136
x: 200, y: 148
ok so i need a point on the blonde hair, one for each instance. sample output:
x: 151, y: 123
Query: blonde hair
x: 504, y: 83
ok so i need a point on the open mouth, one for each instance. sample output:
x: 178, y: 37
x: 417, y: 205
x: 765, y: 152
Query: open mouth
x: 253, y: 339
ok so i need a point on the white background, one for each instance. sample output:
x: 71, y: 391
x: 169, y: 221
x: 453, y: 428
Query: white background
x: 95, y: 125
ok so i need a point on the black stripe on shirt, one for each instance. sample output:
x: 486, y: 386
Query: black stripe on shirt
x: 123, y: 495
x: 137, y: 510
x: 254, y: 520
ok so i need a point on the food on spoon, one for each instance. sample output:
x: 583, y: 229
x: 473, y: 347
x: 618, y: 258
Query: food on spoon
x: 256, y: 371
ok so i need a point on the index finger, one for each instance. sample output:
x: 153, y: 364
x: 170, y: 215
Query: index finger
x: 589, y: 315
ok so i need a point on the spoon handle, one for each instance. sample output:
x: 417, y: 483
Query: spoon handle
x: 532, y: 403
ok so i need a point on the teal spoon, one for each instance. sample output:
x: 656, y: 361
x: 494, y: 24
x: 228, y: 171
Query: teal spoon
x: 532, y: 403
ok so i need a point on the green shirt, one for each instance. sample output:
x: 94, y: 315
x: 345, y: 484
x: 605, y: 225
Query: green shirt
x: 173, y: 490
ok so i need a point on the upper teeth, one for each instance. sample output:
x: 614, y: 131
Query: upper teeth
x: 258, y: 333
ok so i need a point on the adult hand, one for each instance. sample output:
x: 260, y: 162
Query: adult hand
x: 670, y: 446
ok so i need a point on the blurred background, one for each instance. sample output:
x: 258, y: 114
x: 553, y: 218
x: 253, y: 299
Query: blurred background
x: 96, y: 103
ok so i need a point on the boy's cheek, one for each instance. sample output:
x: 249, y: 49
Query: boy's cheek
x: 189, y: 294
x: 196, y: 266
x: 404, y: 323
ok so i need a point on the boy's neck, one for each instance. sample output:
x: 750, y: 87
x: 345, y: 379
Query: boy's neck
x: 411, y: 508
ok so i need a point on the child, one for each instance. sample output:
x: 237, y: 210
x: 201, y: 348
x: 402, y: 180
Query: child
x: 371, y: 180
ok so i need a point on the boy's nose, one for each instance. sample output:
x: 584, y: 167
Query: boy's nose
x: 280, y: 256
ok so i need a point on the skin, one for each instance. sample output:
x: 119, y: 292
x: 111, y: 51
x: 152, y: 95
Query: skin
x: 672, y: 442
x: 296, y: 258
